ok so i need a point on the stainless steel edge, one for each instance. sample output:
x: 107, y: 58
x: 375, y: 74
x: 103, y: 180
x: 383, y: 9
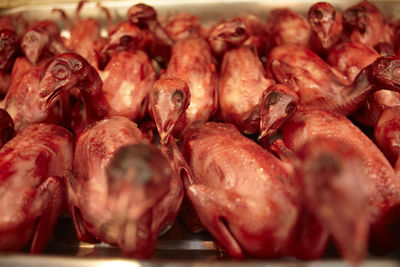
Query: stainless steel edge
x: 47, y: 261
x: 206, y: 9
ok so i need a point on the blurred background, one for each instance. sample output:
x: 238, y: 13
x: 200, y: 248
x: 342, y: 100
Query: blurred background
x: 15, y: 3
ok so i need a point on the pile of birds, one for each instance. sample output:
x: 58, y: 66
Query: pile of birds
x: 278, y: 135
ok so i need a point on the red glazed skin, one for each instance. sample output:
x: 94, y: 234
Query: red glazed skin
x: 191, y: 61
x: 23, y: 101
x: 65, y: 74
x: 85, y: 38
x: 169, y: 99
x: 283, y: 26
x: 311, y: 123
x: 350, y: 58
x: 277, y: 104
x: 165, y: 213
x: 183, y: 25
x: 387, y: 135
x: 145, y: 17
x: 331, y: 172
x: 375, y: 105
x: 232, y: 176
x: 127, y: 82
x: 309, y: 237
x: 302, y: 70
x: 326, y: 24
x: 118, y: 179
x: 384, y: 99
x: 124, y: 36
x: 364, y: 23
x: 40, y: 38
x: 382, y: 185
x: 32, y: 185
x: 321, y: 86
x: 244, y: 30
x: 241, y: 85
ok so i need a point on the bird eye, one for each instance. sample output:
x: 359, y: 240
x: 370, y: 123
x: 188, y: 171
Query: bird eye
x: 357, y: 18
x: 317, y: 15
x: 60, y: 72
x: 240, y: 31
x: 31, y: 37
x: 177, y: 97
x: 290, y: 108
x: 76, y: 65
x: 271, y: 99
x: 125, y: 40
x: 396, y: 72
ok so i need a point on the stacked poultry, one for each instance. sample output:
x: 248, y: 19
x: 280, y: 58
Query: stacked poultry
x: 282, y: 134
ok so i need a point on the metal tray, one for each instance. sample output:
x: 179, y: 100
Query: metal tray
x: 177, y: 247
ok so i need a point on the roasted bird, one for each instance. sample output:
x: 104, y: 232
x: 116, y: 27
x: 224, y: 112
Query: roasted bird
x: 34, y: 165
x: 117, y: 181
x: 232, y: 176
